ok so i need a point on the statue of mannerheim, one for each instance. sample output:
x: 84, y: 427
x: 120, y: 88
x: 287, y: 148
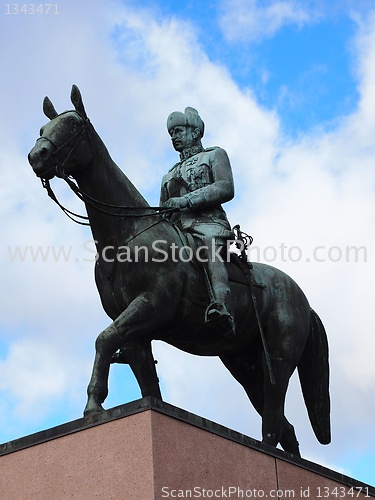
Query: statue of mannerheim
x: 254, y: 317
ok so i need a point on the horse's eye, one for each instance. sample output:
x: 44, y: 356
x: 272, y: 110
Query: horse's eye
x: 72, y: 122
x: 41, y: 131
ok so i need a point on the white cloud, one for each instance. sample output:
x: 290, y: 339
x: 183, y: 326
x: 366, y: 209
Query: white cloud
x: 32, y: 373
x: 252, y: 20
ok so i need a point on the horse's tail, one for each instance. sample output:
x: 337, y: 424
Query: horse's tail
x: 313, y: 370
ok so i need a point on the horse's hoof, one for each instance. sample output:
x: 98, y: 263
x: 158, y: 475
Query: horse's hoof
x: 92, y: 410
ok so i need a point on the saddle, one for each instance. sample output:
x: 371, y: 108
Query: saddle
x: 239, y: 270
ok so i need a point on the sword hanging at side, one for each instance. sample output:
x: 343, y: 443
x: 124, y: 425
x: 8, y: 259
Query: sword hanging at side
x: 245, y: 240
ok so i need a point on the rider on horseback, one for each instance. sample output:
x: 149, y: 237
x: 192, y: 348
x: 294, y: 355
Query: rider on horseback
x: 197, y: 186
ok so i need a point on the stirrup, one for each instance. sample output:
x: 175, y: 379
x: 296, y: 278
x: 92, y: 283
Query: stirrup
x: 217, y: 314
x: 215, y: 311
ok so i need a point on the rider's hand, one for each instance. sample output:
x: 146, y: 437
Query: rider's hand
x: 177, y: 202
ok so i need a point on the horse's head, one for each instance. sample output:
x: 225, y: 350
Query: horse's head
x: 63, y: 145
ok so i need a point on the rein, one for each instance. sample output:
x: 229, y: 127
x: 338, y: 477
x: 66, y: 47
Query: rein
x: 46, y: 184
x: 98, y: 205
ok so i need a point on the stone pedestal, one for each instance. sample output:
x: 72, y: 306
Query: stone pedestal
x: 148, y: 450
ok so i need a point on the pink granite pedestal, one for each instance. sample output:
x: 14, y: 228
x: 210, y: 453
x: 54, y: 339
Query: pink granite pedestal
x: 148, y: 450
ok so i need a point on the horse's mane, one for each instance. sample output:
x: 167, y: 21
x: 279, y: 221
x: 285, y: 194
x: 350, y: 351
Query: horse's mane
x: 102, y: 155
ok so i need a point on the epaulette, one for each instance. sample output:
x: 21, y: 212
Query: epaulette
x: 174, y: 166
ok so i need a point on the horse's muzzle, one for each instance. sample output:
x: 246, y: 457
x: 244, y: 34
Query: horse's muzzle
x: 40, y: 158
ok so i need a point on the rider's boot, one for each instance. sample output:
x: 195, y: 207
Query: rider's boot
x: 218, y: 312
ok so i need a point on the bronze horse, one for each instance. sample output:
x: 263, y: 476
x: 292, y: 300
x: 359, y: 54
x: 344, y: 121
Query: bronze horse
x: 151, y: 295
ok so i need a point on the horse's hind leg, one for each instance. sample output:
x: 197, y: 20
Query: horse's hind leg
x: 248, y: 371
x: 288, y: 439
x: 275, y: 427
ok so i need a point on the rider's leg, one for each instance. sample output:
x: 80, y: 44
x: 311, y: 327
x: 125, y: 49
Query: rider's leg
x: 221, y: 306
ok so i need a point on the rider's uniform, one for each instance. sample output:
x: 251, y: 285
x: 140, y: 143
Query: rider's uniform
x: 204, y: 178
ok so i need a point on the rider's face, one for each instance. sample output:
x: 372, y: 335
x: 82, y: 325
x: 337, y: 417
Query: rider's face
x: 182, y: 137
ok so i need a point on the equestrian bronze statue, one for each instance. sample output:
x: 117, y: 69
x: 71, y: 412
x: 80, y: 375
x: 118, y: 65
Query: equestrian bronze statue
x: 150, y: 294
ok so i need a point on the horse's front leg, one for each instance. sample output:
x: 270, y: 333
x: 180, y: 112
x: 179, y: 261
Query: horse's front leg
x: 138, y: 355
x: 128, y: 329
x: 97, y: 390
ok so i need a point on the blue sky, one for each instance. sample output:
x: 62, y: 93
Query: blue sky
x: 305, y: 71
x: 287, y: 88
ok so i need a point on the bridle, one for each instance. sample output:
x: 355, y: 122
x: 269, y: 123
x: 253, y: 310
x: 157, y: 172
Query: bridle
x: 76, y: 137
x: 106, y: 208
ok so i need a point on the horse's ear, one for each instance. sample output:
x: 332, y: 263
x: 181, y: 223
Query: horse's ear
x: 76, y: 99
x: 49, y: 109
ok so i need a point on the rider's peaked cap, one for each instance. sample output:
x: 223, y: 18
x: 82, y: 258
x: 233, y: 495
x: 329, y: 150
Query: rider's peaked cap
x: 189, y: 118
